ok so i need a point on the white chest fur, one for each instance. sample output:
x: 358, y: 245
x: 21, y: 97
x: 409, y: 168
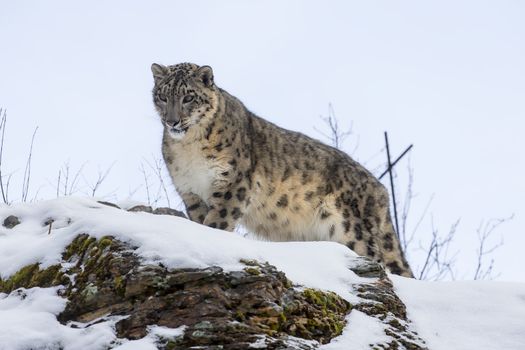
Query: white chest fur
x: 190, y: 170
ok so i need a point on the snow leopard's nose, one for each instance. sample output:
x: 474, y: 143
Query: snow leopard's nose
x: 171, y: 123
x: 172, y: 116
x: 172, y: 119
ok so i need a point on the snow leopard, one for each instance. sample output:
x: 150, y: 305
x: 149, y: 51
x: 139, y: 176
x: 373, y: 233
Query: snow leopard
x: 233, y: 167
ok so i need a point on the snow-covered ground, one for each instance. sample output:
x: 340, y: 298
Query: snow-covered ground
x: 447, y: 315
x: 476, y: 315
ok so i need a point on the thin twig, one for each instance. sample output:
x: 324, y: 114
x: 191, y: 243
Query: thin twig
x: 484, y: 231
x: 146, y: 182
x: 335, y: 135
x: 158, y: 168
x: 3, y: 190
x: 437, y: 261
x: 102, y: 175
x: 27, y: 171
x: 58, y: 182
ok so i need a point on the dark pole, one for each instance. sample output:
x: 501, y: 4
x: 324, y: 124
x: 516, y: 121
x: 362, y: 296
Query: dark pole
x: 395, y: 161
x: 391, y: 182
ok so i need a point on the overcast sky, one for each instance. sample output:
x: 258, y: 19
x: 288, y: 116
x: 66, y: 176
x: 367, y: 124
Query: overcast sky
x: 446, y: 76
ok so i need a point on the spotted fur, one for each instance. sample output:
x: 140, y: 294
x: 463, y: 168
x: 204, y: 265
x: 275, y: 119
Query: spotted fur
x: 231, y: 167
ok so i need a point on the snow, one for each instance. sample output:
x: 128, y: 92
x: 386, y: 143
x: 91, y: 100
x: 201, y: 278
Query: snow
x: 455, y: 315
x: 466, y: 315
x: 173, y: 241
x: 360, y: 331
x: 28, y: 321
x: 155, y: 333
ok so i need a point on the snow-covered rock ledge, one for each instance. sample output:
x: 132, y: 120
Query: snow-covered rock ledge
x: 80, y: 274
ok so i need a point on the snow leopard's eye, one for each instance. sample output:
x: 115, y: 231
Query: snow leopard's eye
x: 187, y: 99
x: 163, y: 98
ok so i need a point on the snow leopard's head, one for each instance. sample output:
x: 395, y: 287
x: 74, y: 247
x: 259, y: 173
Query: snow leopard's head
x: 184, y: 95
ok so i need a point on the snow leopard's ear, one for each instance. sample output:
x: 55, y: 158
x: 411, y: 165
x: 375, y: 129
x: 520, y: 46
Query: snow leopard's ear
x: 159, y: 72
x: 205, y: 75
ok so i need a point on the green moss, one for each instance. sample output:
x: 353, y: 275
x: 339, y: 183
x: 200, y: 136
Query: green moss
x: 94, y: 251
x: 253, y: 271
x: 171, y: 345
x: 87, y: 243
x: 248, y: 262
x: 395, y: 323
x: 48, y: 277
x: 92, y: 263
x: 120, y: 285
x: 314, y: 323
x: 326, y: 300
x: 31, y: 276
x: 105, y: 242
x: 22, y: 278
x: 332, y: 311
x: 274, y: 323
x: 339, y: 327
x: 239, y: 315
x: 74, y: 248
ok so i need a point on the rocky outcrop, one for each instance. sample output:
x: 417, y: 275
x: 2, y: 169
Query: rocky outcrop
x: 379, y: 300
x: 256, y: 306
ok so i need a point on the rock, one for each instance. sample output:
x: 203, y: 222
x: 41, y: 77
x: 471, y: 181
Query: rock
x: 144, y: 208
x: 11, y: 221
x: 256, y: 306
x: 168, y: 211
x: 48, y: 222
x: 157, y: 211
x: 233, y: 309
x: 365, y: 267
x: 109, y: 204
x: 379, y: 300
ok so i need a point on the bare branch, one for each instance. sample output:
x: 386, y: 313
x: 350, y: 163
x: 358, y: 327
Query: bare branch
x: 34, y: 199
x: 144, y: 174
x: 409, y: 195
x: 4, y: 189
x: 335, y: 135
x: 27, y: 171
x: 423, y: 215
x: 438, y: 263
x: 95, y: 186
x: 484, y: 232
x: 158, y: 167
x: 132, y: 192
x: 373, y: 157
x: 162, y: 190
x: 58, y: 182
x: 76, y: 178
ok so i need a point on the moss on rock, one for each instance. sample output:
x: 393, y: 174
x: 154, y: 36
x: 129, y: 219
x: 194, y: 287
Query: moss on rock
x: 32, y: 276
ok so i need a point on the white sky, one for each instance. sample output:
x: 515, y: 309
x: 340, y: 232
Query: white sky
x: 446, y: 76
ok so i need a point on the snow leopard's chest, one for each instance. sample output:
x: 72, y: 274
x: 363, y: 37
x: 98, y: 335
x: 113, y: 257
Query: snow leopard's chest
x: 190, y: 169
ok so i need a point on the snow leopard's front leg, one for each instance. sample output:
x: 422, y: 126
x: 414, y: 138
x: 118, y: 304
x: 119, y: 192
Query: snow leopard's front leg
x: 226, y: 208
x: 196, y: 208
